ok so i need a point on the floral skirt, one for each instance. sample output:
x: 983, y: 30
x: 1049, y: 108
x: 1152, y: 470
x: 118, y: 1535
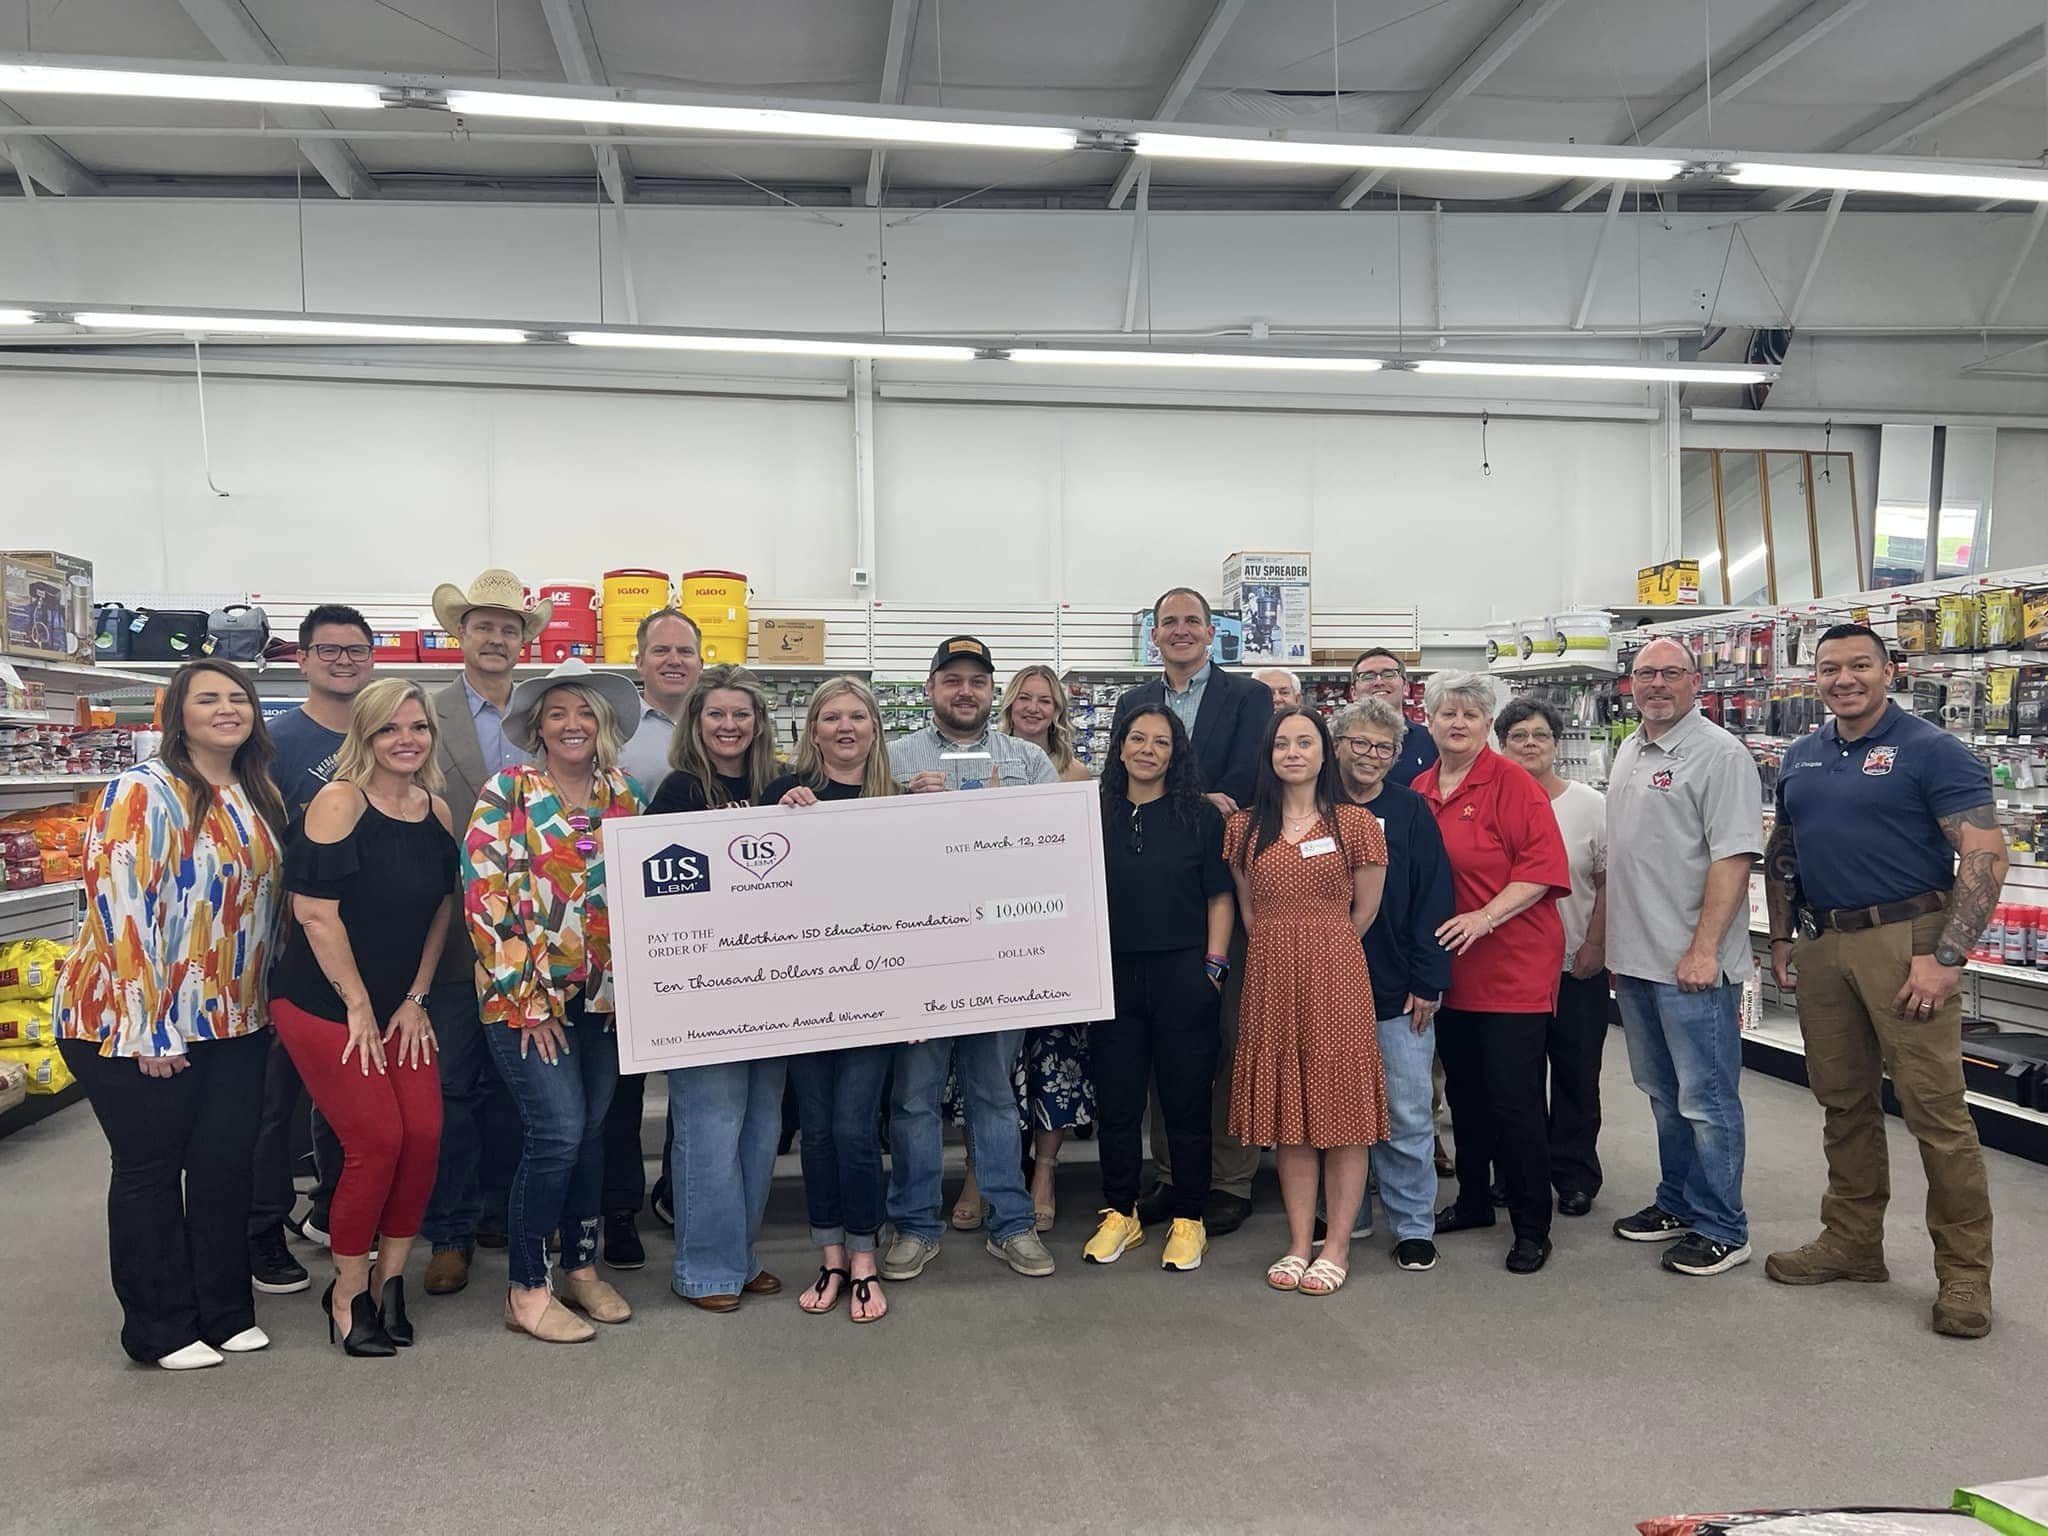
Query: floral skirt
x: 1053, y: 1089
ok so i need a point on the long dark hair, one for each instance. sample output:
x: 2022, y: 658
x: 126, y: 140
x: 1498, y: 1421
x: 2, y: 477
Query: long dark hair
x: 252, y: 758
x: 1183, y: 787
x: 686, y: 753
x: 1265, y: 806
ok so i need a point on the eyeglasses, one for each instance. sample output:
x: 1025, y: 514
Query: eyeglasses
x: 579, y: 823
x: 1368, y: 748
x: 1137, y: 842
x: 1660, y: 674
x: 1374, y: 674
x: 1530, y: 738
x: 336, y: 652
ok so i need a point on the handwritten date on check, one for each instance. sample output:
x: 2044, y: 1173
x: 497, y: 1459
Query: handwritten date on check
x: 776, y: 930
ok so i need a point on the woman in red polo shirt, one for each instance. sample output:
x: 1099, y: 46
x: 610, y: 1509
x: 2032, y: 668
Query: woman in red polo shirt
x: 1508, y: 867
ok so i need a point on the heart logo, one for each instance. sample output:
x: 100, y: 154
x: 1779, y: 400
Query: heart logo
x: 758, y: 852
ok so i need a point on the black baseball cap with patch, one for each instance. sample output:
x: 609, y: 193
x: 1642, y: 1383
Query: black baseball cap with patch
x: 963, y: 648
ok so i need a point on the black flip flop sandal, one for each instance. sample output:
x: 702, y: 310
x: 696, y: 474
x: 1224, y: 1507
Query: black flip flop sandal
x: 863, y: 1293
x: 817, y: 1288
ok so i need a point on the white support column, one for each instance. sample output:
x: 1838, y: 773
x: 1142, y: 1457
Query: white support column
x: 864, y: 475
x: 1140, y: 273
x: 1218, y: 26
x: 1599, y: 256
x: 1820, y: 249
x: 2019, y: 263
x: 903, y: 15
x: 237, y: 39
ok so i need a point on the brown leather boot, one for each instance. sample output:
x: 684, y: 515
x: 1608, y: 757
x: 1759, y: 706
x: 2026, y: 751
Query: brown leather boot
x: 1963, y: 1309
x: 447, y: 1272
x: 1819, y: 1261
x: 557, y: 1325
x: 595, y: 1298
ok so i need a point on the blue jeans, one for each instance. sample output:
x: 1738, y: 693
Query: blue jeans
x: 476, y: 1165
x: 728, y: 1118
x: 1685, y: 1051
x: 984, y: 1064
x: 1405, y: 1163
x: 839, y: 1106
x: 560, y: 1180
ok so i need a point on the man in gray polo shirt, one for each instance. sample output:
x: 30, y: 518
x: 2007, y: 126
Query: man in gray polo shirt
x: 958, y: 751
x: 1684, y: 822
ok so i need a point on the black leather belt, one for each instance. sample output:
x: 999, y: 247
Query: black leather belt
x: 1857, y: 919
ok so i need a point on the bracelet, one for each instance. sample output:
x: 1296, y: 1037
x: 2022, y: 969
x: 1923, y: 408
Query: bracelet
x: 1487, y: 913
x: 1213, y: 958
x: 1783, y: 938
x: 419, y: 998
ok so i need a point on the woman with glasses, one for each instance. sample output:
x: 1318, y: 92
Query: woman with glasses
x: 533, y: 878
x: 1529, y: 731
x: 1508, y: 870
x: 1169, y: 932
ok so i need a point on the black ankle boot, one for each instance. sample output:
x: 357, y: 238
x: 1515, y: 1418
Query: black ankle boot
x: 366, y: 1336
x: 392, y: 1313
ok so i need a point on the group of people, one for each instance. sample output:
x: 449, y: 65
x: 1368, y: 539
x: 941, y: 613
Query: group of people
x: 1309, y: 920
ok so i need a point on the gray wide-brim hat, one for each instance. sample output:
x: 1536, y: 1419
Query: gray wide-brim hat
x: 623, y: 697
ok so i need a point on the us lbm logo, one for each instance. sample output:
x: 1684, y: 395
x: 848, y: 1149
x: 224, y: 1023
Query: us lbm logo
x: 675, y: 871
x: 758, y: 852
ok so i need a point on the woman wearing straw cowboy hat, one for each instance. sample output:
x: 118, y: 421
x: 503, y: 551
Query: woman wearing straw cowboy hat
x: 533, y: 871
x: 492, y: 622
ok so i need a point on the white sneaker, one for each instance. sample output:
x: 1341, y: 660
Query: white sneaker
x: 247, y: 1342
x: 195, y: 1356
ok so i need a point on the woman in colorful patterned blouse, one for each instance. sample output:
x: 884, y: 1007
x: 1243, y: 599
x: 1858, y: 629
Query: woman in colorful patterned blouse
x: 533, y: 874
x: 161, y: 1014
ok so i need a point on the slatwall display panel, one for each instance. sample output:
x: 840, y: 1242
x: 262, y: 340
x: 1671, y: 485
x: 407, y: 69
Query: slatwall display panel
x: 1358, y: 629
x: 847, y: 624
x: 41, y: 912
x: 286, y: 610
x: 905, y: 636
x: 1097, y: 638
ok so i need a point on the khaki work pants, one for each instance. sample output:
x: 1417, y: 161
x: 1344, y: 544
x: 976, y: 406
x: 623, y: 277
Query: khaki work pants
x: 1854, y: 1037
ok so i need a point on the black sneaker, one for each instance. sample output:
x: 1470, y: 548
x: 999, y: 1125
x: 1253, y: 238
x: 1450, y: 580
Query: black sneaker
x: 1224, y: 1212
x: 1155, y: 1205
x: 1528, y: 1255
x: 1453, y: 1219
x: 1652, y: 1224
x: 622, y: 1248
x: 314, y: 1228
x: 1415, y: 1253
x: 272, y: 1269
x: 1697, y: 1255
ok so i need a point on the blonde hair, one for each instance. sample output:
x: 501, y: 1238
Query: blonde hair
x: 809, y: 763
x: 375, y: 707
x: 1059, y: 735
x: 608, y: 739
x: 686, y: 752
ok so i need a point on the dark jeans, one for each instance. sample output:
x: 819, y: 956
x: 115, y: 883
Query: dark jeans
x: 1578, y: 1033
x: 178, y: 1204
x: 479, y: 1129
x: 275, y: 1194
x: 561, y: 1165
x: 1167, y: 1026
x: 1493, y: 1080
x: 625, y: 1155
x: 839, y: 1107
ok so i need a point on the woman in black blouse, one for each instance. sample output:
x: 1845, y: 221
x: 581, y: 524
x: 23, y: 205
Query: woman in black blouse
x: 1169, y: 933
x: 839, y: 1093
x: 723, y: 751
x: 371, y: 872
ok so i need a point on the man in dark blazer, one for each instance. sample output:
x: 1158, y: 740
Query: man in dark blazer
x: 479, y: 1133
x: 1230, y: 719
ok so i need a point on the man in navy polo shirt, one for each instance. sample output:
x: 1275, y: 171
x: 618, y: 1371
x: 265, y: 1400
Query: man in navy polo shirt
x: 1888, y: 854
x: 1380, y: 674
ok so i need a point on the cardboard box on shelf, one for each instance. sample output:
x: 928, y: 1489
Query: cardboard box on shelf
x: 1675, y: 582
x: 790, y: 642
x: 48, y: 601
x: 1269, y: 589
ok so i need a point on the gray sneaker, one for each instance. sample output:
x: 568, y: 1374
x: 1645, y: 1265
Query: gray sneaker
x: 907, y: 1257
x: 1024, y: 1253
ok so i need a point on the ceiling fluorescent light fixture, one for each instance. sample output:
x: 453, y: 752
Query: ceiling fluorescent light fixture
x: 785, y: 346
x: 1973, y: 181
x: 1395, y: 156
x: 331, y: 330
x: 1334, y: 362
x: 55, y: 80
x: 766, y: 121
x: 17, y: 317
x: 1632, y: 373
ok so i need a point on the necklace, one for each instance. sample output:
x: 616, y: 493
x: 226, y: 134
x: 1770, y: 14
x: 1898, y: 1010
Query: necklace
x: 1301, y: 823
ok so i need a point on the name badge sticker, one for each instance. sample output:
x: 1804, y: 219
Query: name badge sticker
x: 1318, y: 845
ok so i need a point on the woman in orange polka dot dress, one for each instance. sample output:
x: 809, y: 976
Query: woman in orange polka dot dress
x: 1309, y: 868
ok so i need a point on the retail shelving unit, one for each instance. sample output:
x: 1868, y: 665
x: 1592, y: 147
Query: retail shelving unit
x: 52, y: 910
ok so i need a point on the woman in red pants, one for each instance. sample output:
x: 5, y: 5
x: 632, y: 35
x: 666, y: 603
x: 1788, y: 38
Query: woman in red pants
x: 370, y: 872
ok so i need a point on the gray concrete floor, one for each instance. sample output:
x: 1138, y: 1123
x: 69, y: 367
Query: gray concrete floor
x: 1115, y: 1399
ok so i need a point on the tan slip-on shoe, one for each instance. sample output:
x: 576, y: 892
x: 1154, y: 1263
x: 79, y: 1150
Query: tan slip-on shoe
x: 595, y: 1298
x: 557, y: 1325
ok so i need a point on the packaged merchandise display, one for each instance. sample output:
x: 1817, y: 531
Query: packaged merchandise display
x: 1675, y: 582
x: 630, y: 594
x: 571, y: 629
x: 57, y: 833
x: 45, y: 1068
x: 13, y: 1085
x: 38, y: 750
x: 717, y: 602
x: 791, y: 642
x: 47, y: 601
x: 1269, y: 592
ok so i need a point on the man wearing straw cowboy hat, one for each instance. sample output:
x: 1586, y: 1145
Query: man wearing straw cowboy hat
x: 492, y: 621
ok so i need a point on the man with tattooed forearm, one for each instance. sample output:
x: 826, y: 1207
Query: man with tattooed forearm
x: 1883, y: 868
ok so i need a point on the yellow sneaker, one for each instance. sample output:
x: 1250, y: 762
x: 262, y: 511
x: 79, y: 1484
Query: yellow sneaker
x: 1185, y: 1244
x: 1117, y: 1233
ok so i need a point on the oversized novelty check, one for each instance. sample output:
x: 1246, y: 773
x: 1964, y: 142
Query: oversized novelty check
x: 776, y: 930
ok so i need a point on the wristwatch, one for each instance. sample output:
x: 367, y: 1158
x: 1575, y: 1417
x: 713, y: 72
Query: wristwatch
x: 1947, y: 954
x: 1218, y: 966
x: 417, y: 997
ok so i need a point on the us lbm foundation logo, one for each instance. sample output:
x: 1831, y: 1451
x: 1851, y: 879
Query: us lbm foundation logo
x: 758, y: 852
x: 675, y: 871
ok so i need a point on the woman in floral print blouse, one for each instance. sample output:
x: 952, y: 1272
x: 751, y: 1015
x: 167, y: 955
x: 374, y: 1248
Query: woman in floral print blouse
x: 533, y: 877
